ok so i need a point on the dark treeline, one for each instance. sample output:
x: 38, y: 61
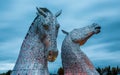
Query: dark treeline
x: 7, y: 73
x: 103, y: 71
x: 109, y: 70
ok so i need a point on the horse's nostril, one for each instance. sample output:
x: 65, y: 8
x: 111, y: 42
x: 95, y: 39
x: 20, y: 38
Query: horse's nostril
x: 98, y: 27
x: 50, y: 53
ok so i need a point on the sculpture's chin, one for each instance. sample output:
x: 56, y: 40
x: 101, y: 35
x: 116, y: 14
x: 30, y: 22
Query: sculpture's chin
x: 52, y: 55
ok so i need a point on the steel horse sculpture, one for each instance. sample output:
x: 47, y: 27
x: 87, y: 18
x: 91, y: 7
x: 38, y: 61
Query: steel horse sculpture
x: 74, y: 61
x: 39, y: 45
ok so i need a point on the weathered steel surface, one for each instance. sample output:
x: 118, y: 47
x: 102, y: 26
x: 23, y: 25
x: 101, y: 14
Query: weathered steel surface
x: 39, y: 45
x: 74, y: 61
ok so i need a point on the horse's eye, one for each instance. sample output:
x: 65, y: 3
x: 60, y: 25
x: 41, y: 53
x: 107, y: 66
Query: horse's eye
x: 46, y: 27
x: 58, y: 26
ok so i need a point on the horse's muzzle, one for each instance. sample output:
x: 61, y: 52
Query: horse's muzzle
x: 52, y: 55
x: 97, y: 29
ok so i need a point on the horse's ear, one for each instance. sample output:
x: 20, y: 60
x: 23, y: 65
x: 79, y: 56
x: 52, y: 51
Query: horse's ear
x: 58, y: 13
x: 41, y: 12
x: 65, y: 32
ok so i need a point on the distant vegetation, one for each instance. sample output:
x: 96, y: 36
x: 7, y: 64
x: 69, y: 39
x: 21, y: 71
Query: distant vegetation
x: 109, y: 70
x: 7, y: 73
x: 103, y: 71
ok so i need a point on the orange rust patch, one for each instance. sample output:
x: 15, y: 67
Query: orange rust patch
x: 81, y: 42
x: 47, y: 43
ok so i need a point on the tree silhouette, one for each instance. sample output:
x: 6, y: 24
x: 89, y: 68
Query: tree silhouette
x: 102, y: 71
x: 60, y: 71
x: 7, y: 73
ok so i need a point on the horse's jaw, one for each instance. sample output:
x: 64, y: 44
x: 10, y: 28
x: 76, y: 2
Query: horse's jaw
x: 52, y: 55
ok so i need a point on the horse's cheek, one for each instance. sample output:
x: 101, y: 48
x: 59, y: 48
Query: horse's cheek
x: 47, y: 43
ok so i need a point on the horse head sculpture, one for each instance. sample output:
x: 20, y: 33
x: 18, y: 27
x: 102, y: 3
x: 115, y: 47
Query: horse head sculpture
x: 39, y: 45
x: 74, y: 61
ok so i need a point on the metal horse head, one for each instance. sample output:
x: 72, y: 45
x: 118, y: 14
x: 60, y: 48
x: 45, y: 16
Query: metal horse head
x: 81, y: 35
x: 47, y: 29
x: 74, y: 61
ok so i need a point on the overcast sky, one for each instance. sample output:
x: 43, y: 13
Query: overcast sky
x: 103, y: 49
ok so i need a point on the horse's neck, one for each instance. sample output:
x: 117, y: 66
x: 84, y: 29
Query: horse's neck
x: 32, y: 59
x: 70, y: 44
x: 75, y: 54
x: 32, y: 36
x: 32, y: 53
x: 32, y: 48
